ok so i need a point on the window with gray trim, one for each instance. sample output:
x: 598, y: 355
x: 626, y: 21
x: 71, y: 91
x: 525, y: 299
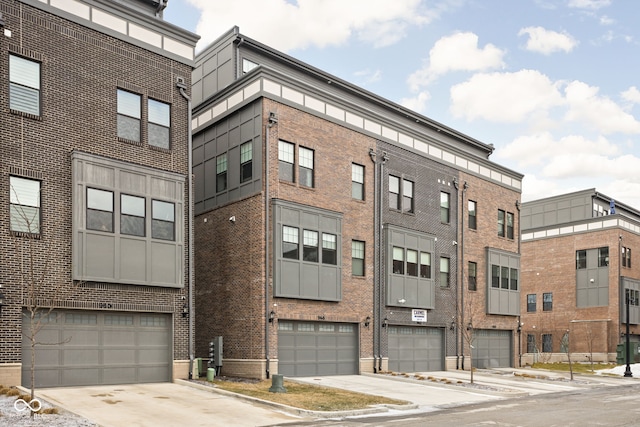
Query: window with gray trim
x: 159, y: 123
x: 221, y: 172
x: 357, y: 181
x: 510, y: 222
x: 24, y: 205
x: 401, y: 194
x: 531, y: 303
x: 246, y: 161
x: 547, y: 301
x: 163, y: 220
x: 394, y: 192
x: 503, y: 290
x: 286, y: 161
x: 531, y: 343
x: 547, y: 343
x: 473, y: 275
x: 626, y: 257
x: 592, y: 277
x: 357, y: 258
x: 99, y: 210
x: 501, y: 223
x: 129, y: 115
x: 472, y: 217
x: 132, y: 215
x: 445, y: 264
x: 307, y: 252
x: 581, y: 259
x: 24, y: 85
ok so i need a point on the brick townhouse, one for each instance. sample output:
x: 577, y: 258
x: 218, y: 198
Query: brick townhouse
x: 332, y: 226
x: 577, y: 251
x: 94, y: 177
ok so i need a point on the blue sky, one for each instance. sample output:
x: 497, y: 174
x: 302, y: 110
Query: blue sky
x: 553, y: 84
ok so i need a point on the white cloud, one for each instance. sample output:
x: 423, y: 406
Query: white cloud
x: 417, y: 103
x: 546, y: 41
x: 589, y: 4
x: 631, y: 95
x: 296, y: 24
x: 605, y: 20
x: 368, y: 76
x: 597, y: 112
x: 505, y: 97
x: 458, y: 52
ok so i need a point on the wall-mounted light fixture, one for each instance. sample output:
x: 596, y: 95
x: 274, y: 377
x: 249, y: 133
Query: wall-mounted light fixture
x: 452, y: 326
x: 402, y: 301
x: 385, y: 322
x: 1, y: 299
x: 272, y: 315
x: 367, y: 321
x: 469, y: 327
x: 185, y: 310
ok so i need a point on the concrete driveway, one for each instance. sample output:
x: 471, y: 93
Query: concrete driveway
x: 161, y: 404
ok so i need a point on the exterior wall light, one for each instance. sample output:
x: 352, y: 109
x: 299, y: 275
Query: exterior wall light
x: 1, y: 299
x: 367, y: 321
x: 385, y: 322
x: 272, y: 316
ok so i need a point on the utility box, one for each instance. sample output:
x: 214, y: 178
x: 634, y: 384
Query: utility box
x: 215, y: 352
x: 621, y: 353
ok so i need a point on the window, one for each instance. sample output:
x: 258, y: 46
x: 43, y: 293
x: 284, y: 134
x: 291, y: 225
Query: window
x: 412, y: 263
x: 501, y: 215
x: 286, y: 158
x: 407, y: 196
x: 159, y: 115
x: 306, y: 166
x: 99, y: 210
x: 290, y: 242
x: 246, y: 162
x: 132, y: 215
x: 509, y: 225
x: 531, y: 303
x: 247, y: 65
x: 495, y: 276
x: 626, y: 257
x: 398, y: 260
x: 603, y: 257
x: 310, y: 245
x: 329, y: 249
x: 162, y: 220
x: 357, y: 258
x: 425, y: 265
x: 24, y: 85
x: 221, y: 173
x: 547, y: 343
x: 531, y: 343
x: 394, y: 192
x: 444, y: 272
x: 357, y: 181
x: 472, y: 207
x: 129, y: 114
x: 444, y: 207
x: 473, y: 276
x: 504, y: 277
x: 547, y: 301
x: 513, y: 279
x: 581, y: 259
x: 24, y: 199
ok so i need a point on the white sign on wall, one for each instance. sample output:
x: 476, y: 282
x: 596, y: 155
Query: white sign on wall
x: 418, y: 315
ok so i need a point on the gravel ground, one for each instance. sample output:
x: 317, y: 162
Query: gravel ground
x: 10, y: 416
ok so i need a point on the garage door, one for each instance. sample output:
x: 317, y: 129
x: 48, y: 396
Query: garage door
x: 413, y: 349
x: 88, y: 348
x: 313, y: 348
x: 492, y: 349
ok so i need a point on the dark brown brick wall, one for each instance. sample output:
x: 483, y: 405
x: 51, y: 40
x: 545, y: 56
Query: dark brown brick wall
x: 81, y: 70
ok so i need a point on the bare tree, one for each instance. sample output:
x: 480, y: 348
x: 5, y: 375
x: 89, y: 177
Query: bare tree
x: 566, y: 346
x: 34, y: 274
x: 468, y: 333
x: 590, y: 341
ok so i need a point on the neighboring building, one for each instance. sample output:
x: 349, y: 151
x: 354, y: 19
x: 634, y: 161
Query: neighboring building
x: 94, y: 135
x: 577, y: 251
x: 321, y: 246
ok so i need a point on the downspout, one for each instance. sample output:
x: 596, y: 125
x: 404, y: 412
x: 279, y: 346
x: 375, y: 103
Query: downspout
x: 380, y: 280
x: 376, y: 219
x: 182, y: 86
x: 461, y: 246
x: 519, y: 327
x: 272, y: 120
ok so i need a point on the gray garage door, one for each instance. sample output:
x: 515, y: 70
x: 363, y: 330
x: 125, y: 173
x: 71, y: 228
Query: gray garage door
x: 317, y: 348
x: 492, y: 349
x: 415, y: 349
x: 88, y: 348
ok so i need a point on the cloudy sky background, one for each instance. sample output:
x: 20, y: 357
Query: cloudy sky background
x: 553, y: 84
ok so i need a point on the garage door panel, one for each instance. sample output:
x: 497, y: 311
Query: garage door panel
x: 416, y: 349
x: 317, y: 348
x: 103, y: 348
x: 492, y: 349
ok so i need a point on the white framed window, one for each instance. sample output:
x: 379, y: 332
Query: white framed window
x: 285, y: 161
x: 357, y: 258
x: 306, y: 167
x: 290, y: 242
x: 329, y: 249
x: 159, y: 126
x: 221, y: 172
x: 246, y: 162
x: 129, y: 115
x: 310, y: 245
x: 444, y: 272
x: 357, y: 181
x: 24, y: 85
x: 407, y: 196
x: 394, y: 192
x: 445, y: 206
x: 99, y: 210
x: 24, y: 209
x: 132, y: 215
